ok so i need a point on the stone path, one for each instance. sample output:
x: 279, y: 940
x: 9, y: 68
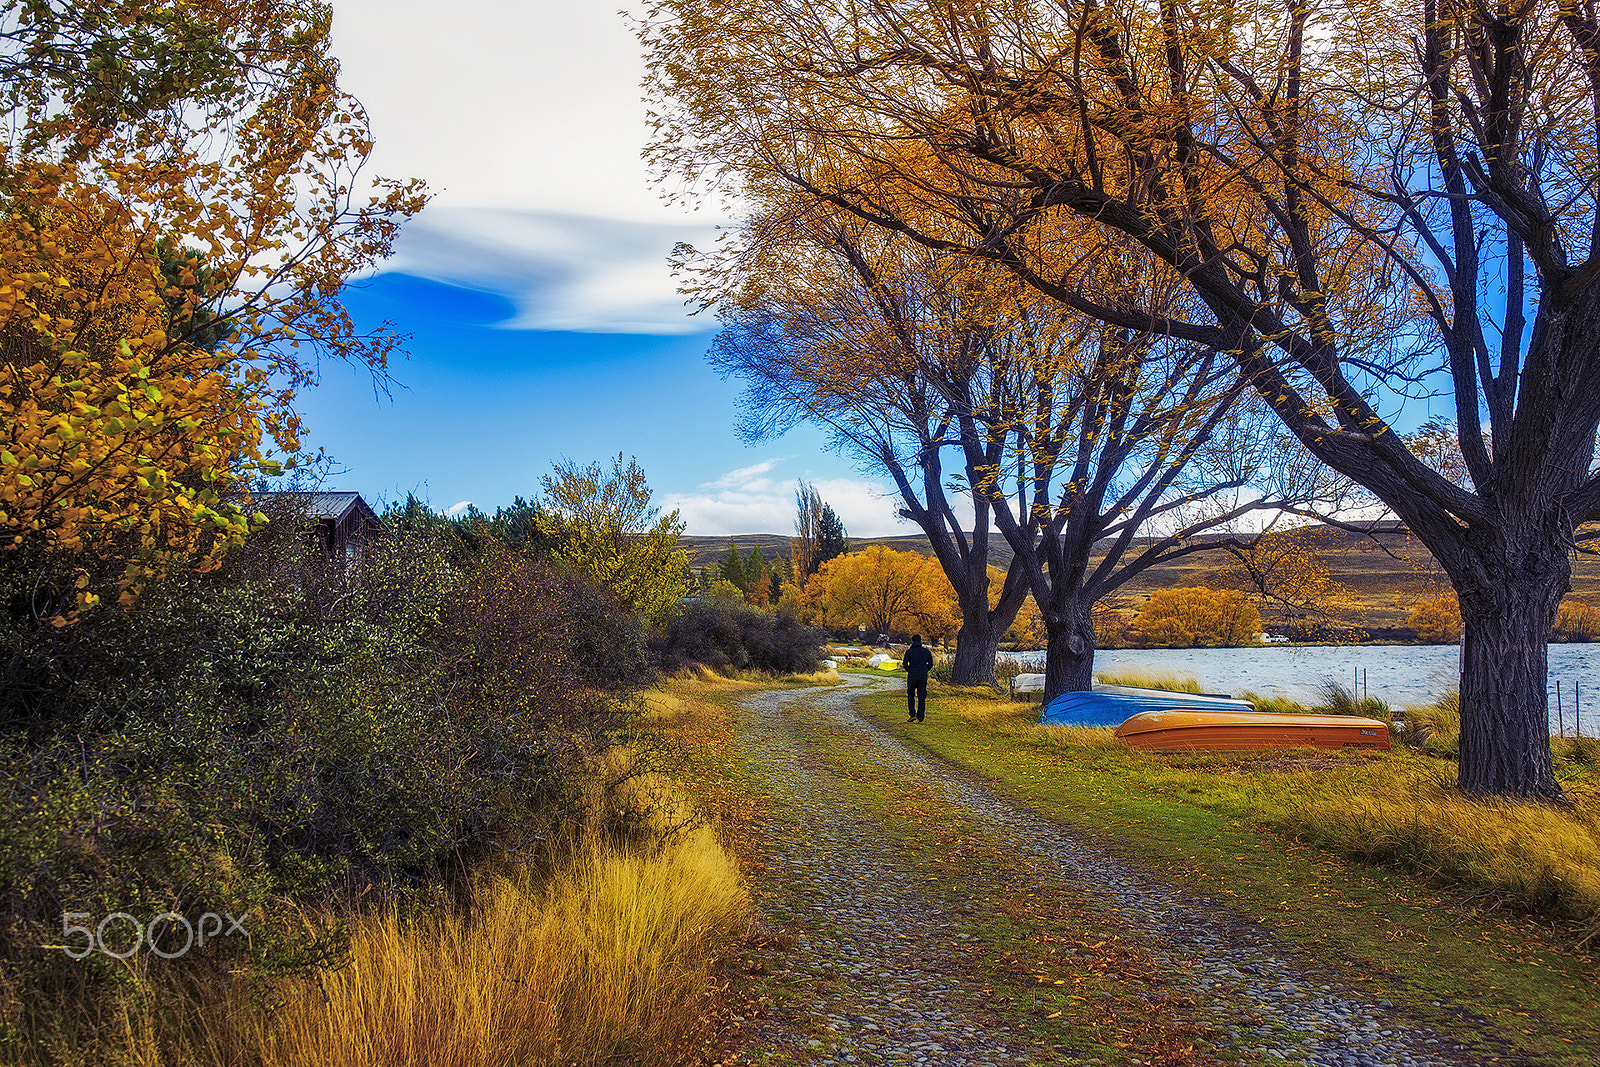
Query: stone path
x: 876, y: 951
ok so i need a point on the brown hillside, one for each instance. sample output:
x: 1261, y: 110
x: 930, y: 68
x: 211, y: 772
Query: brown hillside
x: 1386, y: 568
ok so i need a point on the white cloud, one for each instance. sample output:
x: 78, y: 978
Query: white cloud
x: 562, y: 271
x: 456, y: 509
x: 512, y: 103
x: 747, y: 479
x: 745, y: 501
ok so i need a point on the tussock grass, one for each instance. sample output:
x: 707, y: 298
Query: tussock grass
x: 1151, y: 680
x: 609, y: 958
x: 1542, y: 859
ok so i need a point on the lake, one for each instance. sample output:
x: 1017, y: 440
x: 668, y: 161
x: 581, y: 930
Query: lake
x: 1399, y: 674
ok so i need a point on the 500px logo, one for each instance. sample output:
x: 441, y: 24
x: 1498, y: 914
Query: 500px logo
x: 145, y: 934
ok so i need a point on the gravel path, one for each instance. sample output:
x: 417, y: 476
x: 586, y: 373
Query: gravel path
x: 876, y: 950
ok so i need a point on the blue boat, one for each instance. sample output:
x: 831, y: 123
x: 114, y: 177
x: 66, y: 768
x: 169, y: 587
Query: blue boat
x: 1112, y: 705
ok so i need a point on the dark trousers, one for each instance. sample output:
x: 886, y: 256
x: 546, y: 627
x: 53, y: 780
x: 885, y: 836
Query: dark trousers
x: 916, y: 697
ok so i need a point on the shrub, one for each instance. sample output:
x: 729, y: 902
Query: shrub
x: 272, y: 731
x: 1208, y: 618
x: 724, y: 635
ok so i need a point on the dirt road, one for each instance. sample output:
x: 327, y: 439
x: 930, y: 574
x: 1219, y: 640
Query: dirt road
x: 890, y: 953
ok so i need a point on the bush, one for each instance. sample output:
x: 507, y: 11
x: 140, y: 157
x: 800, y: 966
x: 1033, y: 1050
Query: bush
x: 1207, y: 618
x: 273, y: 732
x: 724, y: 635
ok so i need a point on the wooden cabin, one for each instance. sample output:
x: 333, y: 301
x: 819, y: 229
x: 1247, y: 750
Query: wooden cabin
x: 342, y: 523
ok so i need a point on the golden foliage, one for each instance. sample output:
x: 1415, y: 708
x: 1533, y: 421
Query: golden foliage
x: 886, y: 591
x: 1576, y: 621
x: 1437, y: 619
x: 1197, y: 616
x: 156, y: 278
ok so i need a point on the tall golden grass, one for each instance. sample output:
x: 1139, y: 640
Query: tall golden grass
x: 1534, y: 856
x: 609, y: 958
x: 611, y: 954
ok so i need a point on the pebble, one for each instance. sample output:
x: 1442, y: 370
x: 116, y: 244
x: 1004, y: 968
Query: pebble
x: 874, y: 946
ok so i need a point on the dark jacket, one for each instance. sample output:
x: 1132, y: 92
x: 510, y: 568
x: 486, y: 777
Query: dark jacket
x: 918, y: 662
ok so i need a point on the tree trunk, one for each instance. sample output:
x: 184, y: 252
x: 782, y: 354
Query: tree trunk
x: 976, y: 645
x: 1069, y: 650
x: 982, y: 628
x: 1506, y: 614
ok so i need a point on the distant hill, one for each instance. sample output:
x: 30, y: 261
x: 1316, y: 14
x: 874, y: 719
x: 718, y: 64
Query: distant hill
x: 1386, y: 568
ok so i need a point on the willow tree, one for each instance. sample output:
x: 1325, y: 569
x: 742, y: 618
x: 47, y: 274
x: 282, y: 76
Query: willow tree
x: 968, y: 388
x: 1309, y: 173
x: 182, y: 203
x: 883, y: 347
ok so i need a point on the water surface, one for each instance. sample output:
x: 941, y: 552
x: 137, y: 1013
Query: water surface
x: 1400, y: 674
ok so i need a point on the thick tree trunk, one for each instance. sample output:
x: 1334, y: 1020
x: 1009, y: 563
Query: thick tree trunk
x: 982, y: 627
x: 1069, y: 651
x: 976, y: 645
x: 1506, y: 614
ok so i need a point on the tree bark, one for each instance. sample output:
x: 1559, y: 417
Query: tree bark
x: 1069, y: 655
x: 976, y: 645
x: 982, y: 627
x: 1506, y: 615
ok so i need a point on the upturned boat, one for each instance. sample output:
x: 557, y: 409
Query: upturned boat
x: 1184, y: 730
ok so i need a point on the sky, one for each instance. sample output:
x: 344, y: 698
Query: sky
x: 544, y: 321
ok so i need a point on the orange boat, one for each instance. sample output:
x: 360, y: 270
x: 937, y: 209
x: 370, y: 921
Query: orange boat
x: 1186, y: 731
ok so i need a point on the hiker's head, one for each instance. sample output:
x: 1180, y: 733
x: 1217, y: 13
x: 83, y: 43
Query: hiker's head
x: 916, y: 639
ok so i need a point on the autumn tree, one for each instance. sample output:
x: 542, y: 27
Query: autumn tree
x: 182, y: 206
x: 1359, y: 199
x: 885, y: 590
x: 1437, y: 619
x: 807, y: 531
x: 1198, y: 617
x: 1576, y: 621
x: 1289, y: 584
x: 829, y: 325
x: 1066, y: 436
x: 602, y: 523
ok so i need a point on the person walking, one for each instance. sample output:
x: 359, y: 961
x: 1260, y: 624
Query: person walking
x: 918, y: 661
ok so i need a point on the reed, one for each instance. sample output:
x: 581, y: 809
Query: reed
x: 1151, y: 680
x: 609, y: 959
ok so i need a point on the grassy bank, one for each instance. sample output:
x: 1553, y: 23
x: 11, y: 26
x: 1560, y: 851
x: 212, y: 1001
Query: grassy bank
x: 605, y: 947
x: 1473, y: 917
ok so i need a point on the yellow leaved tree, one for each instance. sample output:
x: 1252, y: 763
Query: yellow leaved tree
x: 1207, y: 618
x: 169, y: 261
x: 886, y: 591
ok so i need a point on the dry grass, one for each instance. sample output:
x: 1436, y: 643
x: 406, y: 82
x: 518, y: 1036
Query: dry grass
x: 1539, y: 858
x: 1397, y: 809
x: 609, y: 958
x: 612, y: 955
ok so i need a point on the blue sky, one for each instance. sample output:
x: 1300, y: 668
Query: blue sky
x: 480, y: 411
x: 545, y: 323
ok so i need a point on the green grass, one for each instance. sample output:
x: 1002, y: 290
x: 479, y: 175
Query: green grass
x: 1435, y: 941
